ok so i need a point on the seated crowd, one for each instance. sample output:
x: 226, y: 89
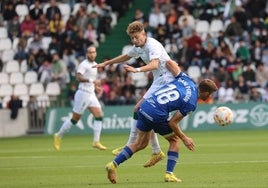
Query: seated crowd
x: 235, y: 57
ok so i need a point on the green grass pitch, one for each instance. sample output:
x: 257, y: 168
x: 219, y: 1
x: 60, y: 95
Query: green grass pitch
x: 222, y: 159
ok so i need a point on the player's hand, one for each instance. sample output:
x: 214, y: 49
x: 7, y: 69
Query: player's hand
x: 189, y: 143
x: 130, y: 68
x: 100, y: 65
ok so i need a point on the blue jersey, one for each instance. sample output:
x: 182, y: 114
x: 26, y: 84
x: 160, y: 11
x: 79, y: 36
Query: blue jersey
x: 179, y: 95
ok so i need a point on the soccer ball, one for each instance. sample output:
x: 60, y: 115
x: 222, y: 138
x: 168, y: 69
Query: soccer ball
x: 223, y: 116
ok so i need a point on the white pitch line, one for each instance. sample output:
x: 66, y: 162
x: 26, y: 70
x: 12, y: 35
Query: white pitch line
x: 161, y: 164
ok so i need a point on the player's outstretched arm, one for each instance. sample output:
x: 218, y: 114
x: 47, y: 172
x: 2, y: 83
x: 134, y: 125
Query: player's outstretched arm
x: 119, y: 59
x: 174, y: 125
x: 149, y: 67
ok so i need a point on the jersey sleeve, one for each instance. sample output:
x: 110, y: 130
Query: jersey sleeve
x: 155, y: 52
x: 81, y: 68
x: 188, y: 108
x: 133, y: 52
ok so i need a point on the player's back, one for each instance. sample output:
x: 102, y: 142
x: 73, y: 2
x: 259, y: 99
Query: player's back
x: 180, y: 94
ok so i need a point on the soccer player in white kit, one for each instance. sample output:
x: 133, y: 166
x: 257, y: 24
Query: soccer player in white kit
x: 85, y: 98
x: 155, y: 57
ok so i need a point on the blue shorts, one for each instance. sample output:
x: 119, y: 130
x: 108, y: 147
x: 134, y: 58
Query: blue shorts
x: 146, y: 124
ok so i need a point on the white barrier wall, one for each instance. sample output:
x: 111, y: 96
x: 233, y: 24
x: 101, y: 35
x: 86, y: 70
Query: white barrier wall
x: 13, y: 128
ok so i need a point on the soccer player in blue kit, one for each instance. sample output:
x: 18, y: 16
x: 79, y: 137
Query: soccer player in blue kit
x: 179, y: 96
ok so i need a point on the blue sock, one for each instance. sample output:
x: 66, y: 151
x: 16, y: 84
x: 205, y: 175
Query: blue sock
x: 172, y: 160
x: 124, y: 155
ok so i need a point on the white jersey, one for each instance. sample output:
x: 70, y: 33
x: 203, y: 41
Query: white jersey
x: 85, y: 68
x: 85, y: 95
x: 154, y: 50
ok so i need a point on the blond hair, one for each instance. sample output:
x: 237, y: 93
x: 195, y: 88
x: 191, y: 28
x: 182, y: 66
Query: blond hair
x: 135, y: 27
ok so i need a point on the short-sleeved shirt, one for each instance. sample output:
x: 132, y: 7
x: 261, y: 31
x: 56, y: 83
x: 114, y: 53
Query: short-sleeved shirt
x: 179, y: 95
x: 154, y: 50
x: 85, y: 95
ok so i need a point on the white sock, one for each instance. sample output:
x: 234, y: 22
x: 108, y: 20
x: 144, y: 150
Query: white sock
x: 97, y: 126
x: 155, y: 143
x: 66, y: 126
x: 133, y: 132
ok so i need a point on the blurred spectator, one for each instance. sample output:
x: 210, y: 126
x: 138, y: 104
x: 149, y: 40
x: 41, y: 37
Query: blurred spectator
x: 209, y: 53
x: 234, y: 28
x: 255, y: 95
x: 128, y: 98
x: 54, y: 46
x: 210, y: 11
x: 14, y: 105
x: 71, y: 93
x: 120, y: 6
x: 243, y: 51
x: 36, y: 44
x: 52, y: 10
x: 198, y: 55
x: 256, y: 8
x: 186, y: 30
x: 226, y: 93
x: 59, y: 71
x: 32, y: 64
x: 250, y: 75
x: 105, y: 19
x: 13, y: 27
x: 256, y: 51
x: 241, y: 16
x: 81, y: 19
x: 241, y: 89
x: 172, y: 49
x: 265, y: 95
x: 184, y: 54
x: 190, y: 19
x: 94, y: 19
x: 93, y: 7
x: 56, y: 25
x: 9, y: 11
x: 70, y: 61
x: 44, y: 72
x: 262, y: 75
x: 139, y: 16
x: 257, y: 29
x: 70, y: 26
x: 33, y: 109
x: 167, y: 7
x: 36, y: 11
x: 42, y: 26
x: 80, y: 44
x: 218, y: 60
x: 90, y: 34
x: 21, y: 53
x: 111, y: 74
x: 128, y: 86
x: 172, y: 17
x: 225, y: 48
x: 156, y: 17
x: 113, y: 99
x: 27, y: 27
x: 193, y: 39
x: 222, y: 75
x: 264, y: 58
x: 40, y: 57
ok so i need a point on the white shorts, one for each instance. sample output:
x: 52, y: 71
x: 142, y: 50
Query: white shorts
x: 83, y: 100
x: 151, y: 90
